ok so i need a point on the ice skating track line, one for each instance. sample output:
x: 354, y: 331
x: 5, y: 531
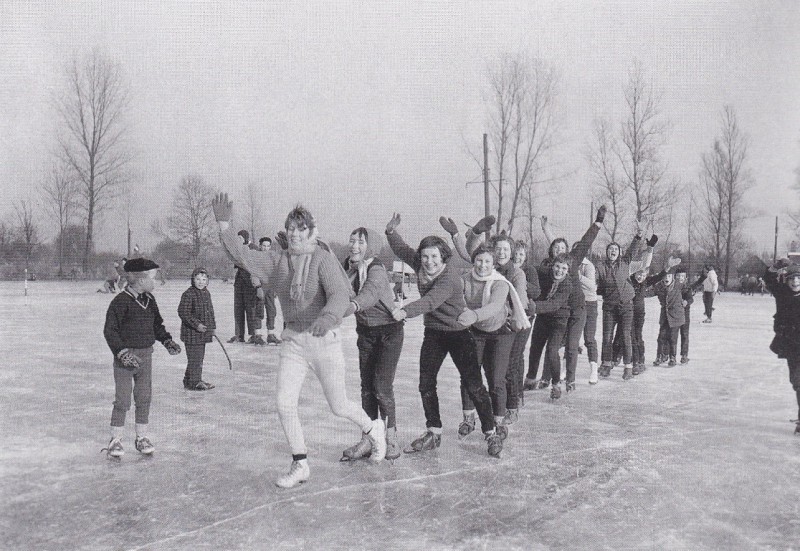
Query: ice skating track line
x: 334, y: 489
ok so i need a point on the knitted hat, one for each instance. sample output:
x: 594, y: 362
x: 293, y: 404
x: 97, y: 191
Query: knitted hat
x: 245, y: 235
x: 137, y: 265
x: 792, y: 270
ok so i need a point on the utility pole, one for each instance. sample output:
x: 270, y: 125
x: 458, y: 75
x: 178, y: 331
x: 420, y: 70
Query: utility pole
x: 129, y: 238
x: 775, y: 249
x: 486, y: 179
x: 591, y: 210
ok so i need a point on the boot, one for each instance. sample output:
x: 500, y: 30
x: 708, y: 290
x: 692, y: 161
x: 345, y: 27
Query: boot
x: 555, y: 392
x: 530, y: 384
x: 272, y: 339
x: 298, y: 473
x: 639, y: 368
x: 377, y: 437
x: 361, y: 450
x: 605, y: 369
x: 495, y: 444
x: 392, y: 447
x: 427, y: 441
x: 658, y: 361
x: 628, y: 373
x: 511, y: 416
x: 684, y: 359
x: 467, y: 425
x: 593, y: 373
x: 672, y: 361
x: 570, y: 387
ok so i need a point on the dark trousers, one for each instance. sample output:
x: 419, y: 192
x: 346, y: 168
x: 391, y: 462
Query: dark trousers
x: 637, y: 340
x: 708, y: 303
x: 378, y: 353
x: 494, y: 354
x: 436, y: 345
x: 619, y: 316
x: 139, y: 381
x: 590, y: 330
x: 548, y: 335
x: 668, y: 339
x: 685, y: 333
x: 244, y: 307
x: 195, y: 353
x: 575, y: 327
x: 538, y: 342
x: 516, y: 368
x: 270, y: 309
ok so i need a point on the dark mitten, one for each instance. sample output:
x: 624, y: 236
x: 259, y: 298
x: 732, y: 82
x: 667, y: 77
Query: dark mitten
x: 172, y: 347
x: 484, y: 225
x: 448, y: 225
x: 601, y: 215
x: 652, y: 241
x: 282, y: 239
x: 128, y: 359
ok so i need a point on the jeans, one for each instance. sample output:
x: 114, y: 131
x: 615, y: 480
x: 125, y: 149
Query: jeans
x: 685, y: 334
x: 548, y: 334
x: 378, y: 353
x: 621, y: 317
x: 494, y: 354
x: 708, y: 303
x: 436, y: 345
x: 575, y: 327
x: 590, y: 329
x: 244, y: 306
x: 323, y: 355
x: 140, y: 381
x: 516, y: 368
x: 668, y: 339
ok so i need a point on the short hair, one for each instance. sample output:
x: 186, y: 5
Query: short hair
x: 267, y: 239
x: 520, y: 245
x: 681, y: 270
x: 553, y: 244
x: 434, y: 241
x: 301, y: 217
x: 481, y: 249
x: 561, y: 259
x: 502, y: 237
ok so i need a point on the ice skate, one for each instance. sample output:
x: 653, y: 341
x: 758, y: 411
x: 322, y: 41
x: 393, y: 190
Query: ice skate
x: 360, y: 450
x: 495, y: 444
x: 427, y: 441
x: 114, y: 449
x: 684, y: 359
x: 707, y: 320
x: 235, y: 339
x: 797, y: 428
x: 392, y: 447
x: 605, y: 370
x: 298, y: 473
x: 542, y: 385
x: 530, y: 384
x: 377, y: 437
x: 639, y: 368
x: 658, y: 361
x: 467, y: 426
x: 627, y: 373
x: 511, y: 417
x: 672, y: 361
x: 593, y: 373
x: 570, y: 387
x: 501, y: 431
x: 144, y: 446
x: 258, y: 340
x: 202, y: 385
x: 272, y: 339
x: 555, y: 392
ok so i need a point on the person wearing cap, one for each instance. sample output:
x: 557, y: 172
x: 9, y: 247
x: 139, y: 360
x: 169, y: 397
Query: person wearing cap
x: 133, y: 324
x: 197, y: 328
x: 315, y: 294
x: 783, y: 281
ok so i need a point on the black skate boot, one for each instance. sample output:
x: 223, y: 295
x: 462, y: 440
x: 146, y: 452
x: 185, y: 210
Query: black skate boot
x: 555, y: 392
x: 467, y: 426
x: 684, y: 359
x: 672, y: 362
x: 427, y: 441
x: 495, y: 444
x: 360, y: 450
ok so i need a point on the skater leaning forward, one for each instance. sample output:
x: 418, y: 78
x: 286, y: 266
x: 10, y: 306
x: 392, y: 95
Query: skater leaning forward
x: 380, y: 337
x: 133, y: 324
x: 783, y: 281
x: 197, y: 328
x: 314, y: 290
x: 441, y: 302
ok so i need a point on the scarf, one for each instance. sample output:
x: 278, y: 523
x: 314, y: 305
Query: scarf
x: 299, y: 262
x: 519, y: 319
x: 358, y: 269
x: 424, y: 279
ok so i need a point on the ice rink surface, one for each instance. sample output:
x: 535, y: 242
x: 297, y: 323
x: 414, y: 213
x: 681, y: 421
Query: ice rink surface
x: 700, y: 456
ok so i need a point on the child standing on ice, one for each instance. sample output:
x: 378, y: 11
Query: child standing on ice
x: 783, y: 281
x: 197, y: 328
x: 133, y: 324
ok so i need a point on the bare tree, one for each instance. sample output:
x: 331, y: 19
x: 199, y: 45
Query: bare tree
x: 604, y: 172
x: 522, y: 94
x: 27, y: 228
x: 726, y: 180
x: 643, y: 133
x: 59, y: 194
x: 192, y: 220
x: 92, y: 139
x: 253, y: 210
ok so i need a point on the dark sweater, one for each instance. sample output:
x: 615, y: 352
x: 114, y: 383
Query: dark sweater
x: 129, y: 324
x: 196, y: 308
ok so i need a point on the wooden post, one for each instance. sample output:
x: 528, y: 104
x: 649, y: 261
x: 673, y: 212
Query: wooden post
x: 486, y: 211
x: 775, y: 249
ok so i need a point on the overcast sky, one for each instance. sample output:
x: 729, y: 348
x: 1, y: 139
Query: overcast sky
x: 359, y: 109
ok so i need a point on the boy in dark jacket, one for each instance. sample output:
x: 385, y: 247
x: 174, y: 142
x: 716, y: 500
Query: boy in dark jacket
x: 681, y: 276
x: 133, y: 324
x: 197, y: 328
x: 783, y: 281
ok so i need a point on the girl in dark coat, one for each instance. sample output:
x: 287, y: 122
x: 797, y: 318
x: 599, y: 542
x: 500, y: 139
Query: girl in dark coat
x: 783, y: 281
x: 197, y: 328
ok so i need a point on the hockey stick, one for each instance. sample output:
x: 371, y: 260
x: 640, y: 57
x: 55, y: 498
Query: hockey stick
x: 230, y: 365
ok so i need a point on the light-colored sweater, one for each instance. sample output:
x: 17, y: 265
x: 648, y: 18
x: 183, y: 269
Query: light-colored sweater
x: 492, y: 315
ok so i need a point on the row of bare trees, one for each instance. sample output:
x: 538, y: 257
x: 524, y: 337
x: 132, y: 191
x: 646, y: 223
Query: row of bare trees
x: 624, y: 158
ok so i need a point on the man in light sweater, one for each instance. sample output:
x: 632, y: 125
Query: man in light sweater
x: 309, y: 280
x: 710, y: 288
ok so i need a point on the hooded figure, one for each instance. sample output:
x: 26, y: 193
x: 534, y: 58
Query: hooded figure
x: 196, y: 310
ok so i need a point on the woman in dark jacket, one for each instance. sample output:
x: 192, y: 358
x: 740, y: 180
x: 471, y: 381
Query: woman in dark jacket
x: 197, y: 328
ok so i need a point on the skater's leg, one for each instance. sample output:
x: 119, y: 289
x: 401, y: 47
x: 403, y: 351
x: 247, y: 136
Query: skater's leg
x: 575, y: 327
x: 590, y: 331
x: 626, y: 321
x: 123, y: 387
x: 367, y: 356
x: 431, y: 355
x: 609, y: 321
x: 685, y: 335
x: 538, y: 341
x: 552, y: 359
x: 238, y: 306
x: 195, y: 353
x: 496, y: 364
x: 461, y: 347
x: 143, y: 384
x: 391, y: 344
x: 482, y: 347
x: 291, y: 374
x: 516, y: 370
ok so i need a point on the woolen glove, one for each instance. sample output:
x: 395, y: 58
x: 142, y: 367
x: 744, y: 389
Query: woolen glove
x: 601, y: 215
x: 448, y: 225
x: 172, y: 347
x: 652, y: 241
x: 484, y: 224
x: 282, y: 239
x: 467, y: 318
x: 128, y: 359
